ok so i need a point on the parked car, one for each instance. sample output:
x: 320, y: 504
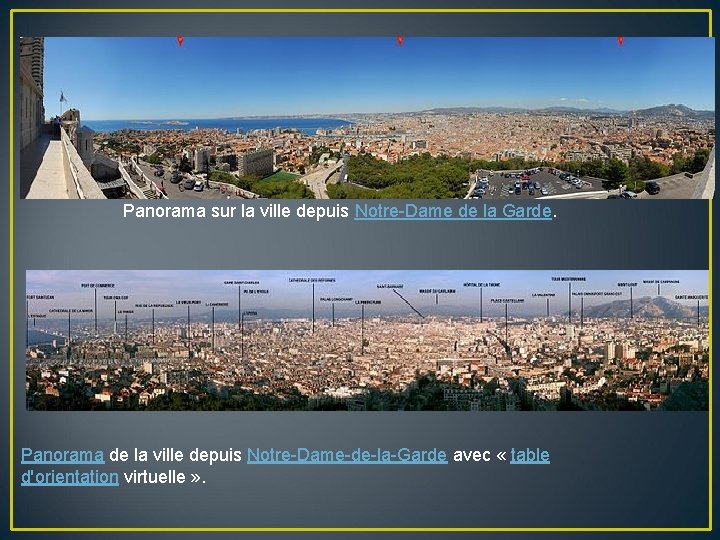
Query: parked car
x: 653, y: 188
x: 628, y: 195
x: 198, y: 185
x: 189, y: 183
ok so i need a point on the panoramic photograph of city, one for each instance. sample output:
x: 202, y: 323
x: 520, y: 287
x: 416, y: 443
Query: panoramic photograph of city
x: 352, y: 340
x: 366, y: 117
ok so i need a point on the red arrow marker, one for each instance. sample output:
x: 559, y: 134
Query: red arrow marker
x: 400, y: 40
x: 620, y: 40
x: 180, y: 40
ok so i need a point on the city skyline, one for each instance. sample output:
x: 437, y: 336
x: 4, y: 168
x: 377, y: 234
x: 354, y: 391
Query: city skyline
x: 296, y: 298
x: 367, y: 75
x: 383, y: 354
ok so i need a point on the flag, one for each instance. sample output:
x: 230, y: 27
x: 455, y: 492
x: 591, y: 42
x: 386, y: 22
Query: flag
x: 62, y: 97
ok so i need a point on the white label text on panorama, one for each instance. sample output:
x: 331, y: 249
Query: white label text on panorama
x: 163, y: 211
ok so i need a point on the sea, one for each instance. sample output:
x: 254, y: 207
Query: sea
x: 36, y: 337
x: 305, y: 125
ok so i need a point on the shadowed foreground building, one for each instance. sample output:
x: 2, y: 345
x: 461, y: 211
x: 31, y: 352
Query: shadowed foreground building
x: 32, y: 112
x: 257, y: 162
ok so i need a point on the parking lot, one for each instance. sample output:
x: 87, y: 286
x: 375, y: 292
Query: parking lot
x: 174, y: 191
x: 502, y: 185
x: 677, y: 186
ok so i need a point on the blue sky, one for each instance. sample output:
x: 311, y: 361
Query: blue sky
x: 155, y: 286
x: 142, y: 78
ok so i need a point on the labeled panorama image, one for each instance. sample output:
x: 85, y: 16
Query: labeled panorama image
x: 367, y: 340
x: 366, y: 117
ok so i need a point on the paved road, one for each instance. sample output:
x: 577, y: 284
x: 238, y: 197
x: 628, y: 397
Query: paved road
x: 677, y: 186
x: 475, y: 181
x: 173, y: 190
x: 344, y: 169
x: 317, y: 180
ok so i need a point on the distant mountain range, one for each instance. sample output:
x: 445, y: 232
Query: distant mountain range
x: 645, y: 307
x: 681, y: 111
x: 672, y: 109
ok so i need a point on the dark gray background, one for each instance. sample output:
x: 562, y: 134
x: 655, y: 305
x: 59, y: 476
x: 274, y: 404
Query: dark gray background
x: 609, y: 469
x: 621, y: 470
x: 584, y: 235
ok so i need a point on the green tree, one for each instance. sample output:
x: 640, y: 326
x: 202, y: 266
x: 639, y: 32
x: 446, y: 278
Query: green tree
x: 419, y: 176
x: 222, y: 176
x: 594, y: 168
x: 679, y: 165
x: 642, y: 169
x: 154, y: 159
x: 699, y: 160
x: 614, y: 173
x: 185, y: 166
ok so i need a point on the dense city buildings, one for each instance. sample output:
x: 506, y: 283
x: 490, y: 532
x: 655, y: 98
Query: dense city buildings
x: 543, y: 136
x: 455, y: 363
x: 367, y: 340
x: 607, y: 150
x: 610, y: 148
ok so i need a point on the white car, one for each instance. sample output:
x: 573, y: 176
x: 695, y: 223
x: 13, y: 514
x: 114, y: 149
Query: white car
x: 543, y: 191
x: 199, y: 186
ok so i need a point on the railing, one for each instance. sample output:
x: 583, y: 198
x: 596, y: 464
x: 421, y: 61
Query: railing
x: 224, y: 187
x: 134, y: 189
x: 150, y: 182
x: 85, y: 184
x: 706, y: 185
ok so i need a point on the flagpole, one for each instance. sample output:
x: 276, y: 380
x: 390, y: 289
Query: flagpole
x: 62, y: 99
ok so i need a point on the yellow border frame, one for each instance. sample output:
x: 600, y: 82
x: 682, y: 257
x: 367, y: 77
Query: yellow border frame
x: 332, y: 529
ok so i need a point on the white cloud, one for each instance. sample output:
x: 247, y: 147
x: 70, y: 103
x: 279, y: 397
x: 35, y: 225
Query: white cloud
x: 582, y: 100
